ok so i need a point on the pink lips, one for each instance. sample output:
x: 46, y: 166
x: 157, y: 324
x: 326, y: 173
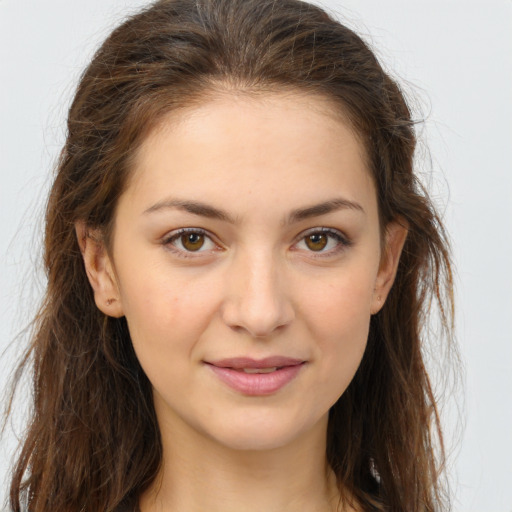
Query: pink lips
x: 277, y: 371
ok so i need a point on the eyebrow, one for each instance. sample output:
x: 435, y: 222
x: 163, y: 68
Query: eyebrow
x: 195, y: 207
x: 206, y: 210
x: 322, y: 209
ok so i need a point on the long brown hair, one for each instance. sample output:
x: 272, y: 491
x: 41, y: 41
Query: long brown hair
x: 93, y: 440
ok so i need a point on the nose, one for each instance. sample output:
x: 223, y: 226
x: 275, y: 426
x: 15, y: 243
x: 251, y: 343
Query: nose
x: 256, y: 300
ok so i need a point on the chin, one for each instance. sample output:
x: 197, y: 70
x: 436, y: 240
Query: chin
x: 262, y: 433
x: 256, y: 440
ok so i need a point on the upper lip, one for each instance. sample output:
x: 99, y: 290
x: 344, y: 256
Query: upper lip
x: 248, y: 362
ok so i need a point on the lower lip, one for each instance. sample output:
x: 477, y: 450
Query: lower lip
x: 257, y: 384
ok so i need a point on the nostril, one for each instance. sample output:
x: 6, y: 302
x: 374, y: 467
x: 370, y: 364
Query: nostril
x: 255, y: 300
x: 260, y: 322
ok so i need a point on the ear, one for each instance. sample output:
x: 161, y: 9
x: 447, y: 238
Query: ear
x: 100, y: 270
x: 396, y: 233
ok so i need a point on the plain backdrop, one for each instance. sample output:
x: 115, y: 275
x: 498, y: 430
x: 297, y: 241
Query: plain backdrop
x: 454, y: 56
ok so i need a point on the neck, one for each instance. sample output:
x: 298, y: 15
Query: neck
x: 198, y: 474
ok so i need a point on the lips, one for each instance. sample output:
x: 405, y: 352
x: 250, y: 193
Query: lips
x: 256, y: 377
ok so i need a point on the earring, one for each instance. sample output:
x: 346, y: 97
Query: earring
x: 110, y: 302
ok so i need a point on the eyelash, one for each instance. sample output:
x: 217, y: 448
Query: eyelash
x: 342, y: 242
x: 176, y: 235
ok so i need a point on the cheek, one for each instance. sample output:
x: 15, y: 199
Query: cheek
x: 166, y: 311
x: 341, y: 304
x: 338, y: 319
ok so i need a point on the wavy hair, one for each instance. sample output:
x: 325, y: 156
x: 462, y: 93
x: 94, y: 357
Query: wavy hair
x: 93, y: 442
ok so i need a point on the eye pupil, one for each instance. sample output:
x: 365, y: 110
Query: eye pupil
x: 316, y: 241
x: 192, y: 241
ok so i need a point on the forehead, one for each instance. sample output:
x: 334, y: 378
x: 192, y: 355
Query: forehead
x: 276, y: 146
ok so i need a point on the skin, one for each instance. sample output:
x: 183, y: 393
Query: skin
x: 255, y: 288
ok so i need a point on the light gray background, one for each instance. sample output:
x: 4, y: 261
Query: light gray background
x: 458, y: 56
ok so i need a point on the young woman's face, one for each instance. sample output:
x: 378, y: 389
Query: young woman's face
x: 247, y: 261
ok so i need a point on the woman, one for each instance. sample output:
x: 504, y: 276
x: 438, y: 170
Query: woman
x: 240, y: 261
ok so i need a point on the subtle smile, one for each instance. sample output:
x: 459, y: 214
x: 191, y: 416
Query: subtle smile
x: 254, y: 377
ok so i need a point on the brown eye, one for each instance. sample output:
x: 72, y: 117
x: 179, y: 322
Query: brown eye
x: 325, y: 242
x: 316, y: 241
x: 192, y: 241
